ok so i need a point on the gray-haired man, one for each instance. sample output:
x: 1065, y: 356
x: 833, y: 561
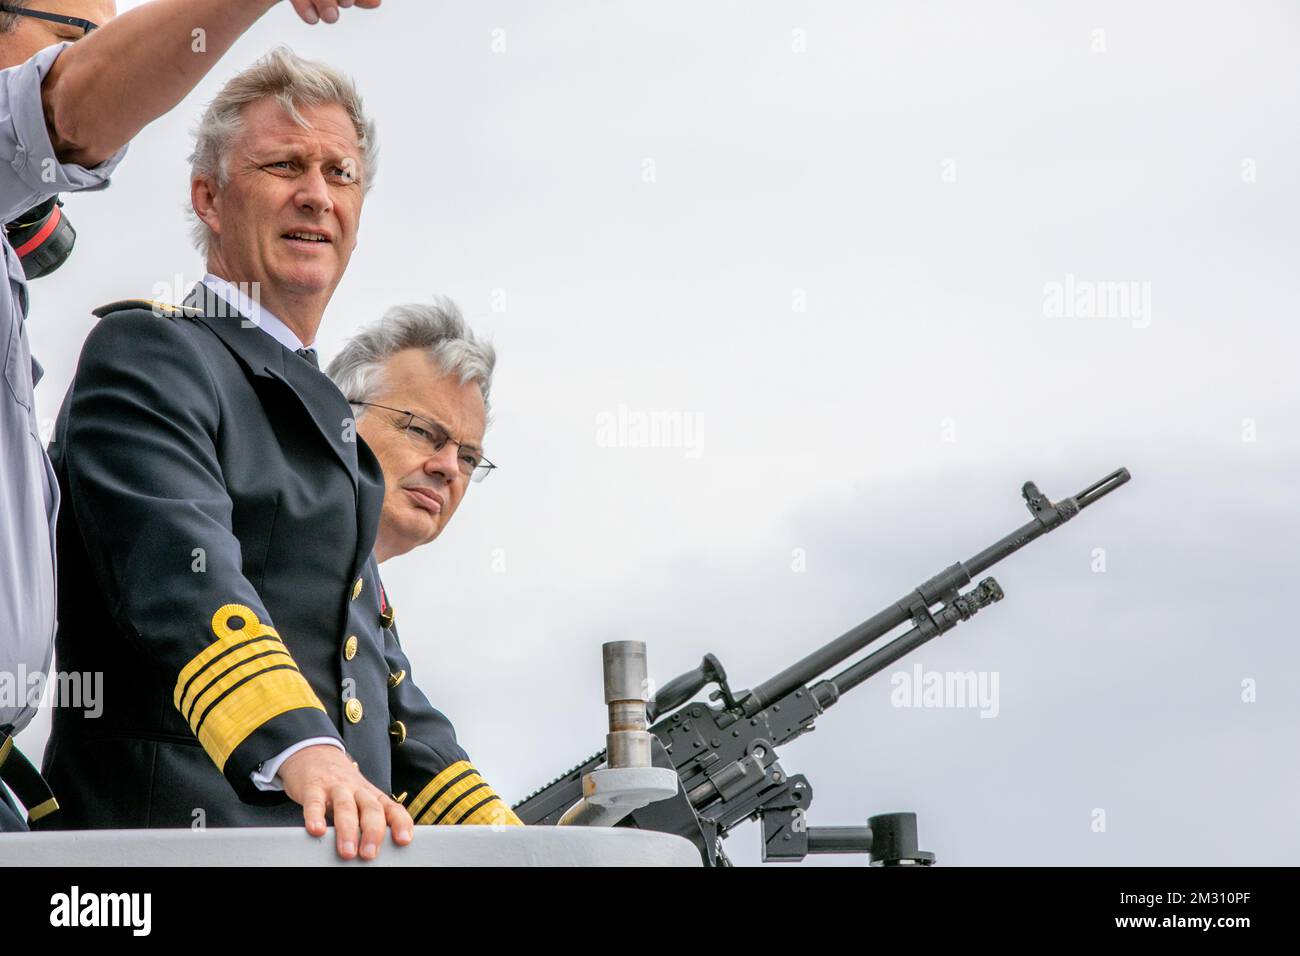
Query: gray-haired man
x: 419, y: 381
x: 74, y: 89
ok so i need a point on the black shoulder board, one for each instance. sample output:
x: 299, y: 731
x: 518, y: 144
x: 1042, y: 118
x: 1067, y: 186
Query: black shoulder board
x: 160, y: 309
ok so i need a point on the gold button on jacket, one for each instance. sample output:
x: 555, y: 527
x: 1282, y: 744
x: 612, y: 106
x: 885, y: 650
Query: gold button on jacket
x: 353, y: 710
x: 350, y: 647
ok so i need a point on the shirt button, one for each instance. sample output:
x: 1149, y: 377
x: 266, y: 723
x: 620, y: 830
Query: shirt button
x: 353, y: 710
x: 356, y: 590
x: 350, y: 647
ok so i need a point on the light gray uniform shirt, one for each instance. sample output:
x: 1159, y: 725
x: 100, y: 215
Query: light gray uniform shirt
x: 29, y: 494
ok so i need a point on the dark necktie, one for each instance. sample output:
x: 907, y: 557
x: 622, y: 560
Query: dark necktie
x: 310, y: 356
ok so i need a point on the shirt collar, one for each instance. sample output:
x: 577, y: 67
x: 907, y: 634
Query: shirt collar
x: 253, y: 311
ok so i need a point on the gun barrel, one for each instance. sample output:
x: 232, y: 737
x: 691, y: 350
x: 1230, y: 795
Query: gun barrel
x: 1046, y: 517
x: 985, y: 593
x: 852, y: 641
x: 942, y: 586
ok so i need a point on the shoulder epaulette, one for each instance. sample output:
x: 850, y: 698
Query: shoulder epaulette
x: 160, y: 309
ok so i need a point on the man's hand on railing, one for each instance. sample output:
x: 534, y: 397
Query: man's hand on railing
x: 322, y: 779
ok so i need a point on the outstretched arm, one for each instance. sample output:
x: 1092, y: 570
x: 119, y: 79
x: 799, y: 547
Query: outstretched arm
x: 104, y: 89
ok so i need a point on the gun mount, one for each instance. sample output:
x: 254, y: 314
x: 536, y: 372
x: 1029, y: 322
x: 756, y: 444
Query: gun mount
x: 725, y: 755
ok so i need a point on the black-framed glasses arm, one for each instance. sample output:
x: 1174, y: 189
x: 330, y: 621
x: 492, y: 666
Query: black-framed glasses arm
x: 479, y: 472
x: 85, y: 25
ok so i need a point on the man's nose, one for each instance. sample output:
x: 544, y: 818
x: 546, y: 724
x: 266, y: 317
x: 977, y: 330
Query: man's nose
x: 445, y: 462
x: 314, y: 193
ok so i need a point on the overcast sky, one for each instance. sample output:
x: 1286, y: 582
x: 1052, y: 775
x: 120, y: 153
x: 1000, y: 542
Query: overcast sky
x: 832, y: 241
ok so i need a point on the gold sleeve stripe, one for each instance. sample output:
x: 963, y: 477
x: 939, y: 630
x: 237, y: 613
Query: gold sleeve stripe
x: 255, y: 682
x: 213, y: 695
x: 248, y: 705
x: 466, y: 800
x: 237, y: 667
x: 458, y: 795
x: 492, y: 812
x: 228, y: 655
x: 435, y: 790
x: 249, y: 628
x: 488, y: 811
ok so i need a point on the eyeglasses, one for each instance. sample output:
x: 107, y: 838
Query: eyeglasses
x: 432, y: 437
x: 85, y: 25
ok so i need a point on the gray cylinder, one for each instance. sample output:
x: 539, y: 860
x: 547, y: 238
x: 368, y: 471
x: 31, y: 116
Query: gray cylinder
x: 627, y: 744
x: 625, y: 670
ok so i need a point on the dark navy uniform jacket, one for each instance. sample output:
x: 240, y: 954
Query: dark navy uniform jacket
x: 215, y: 566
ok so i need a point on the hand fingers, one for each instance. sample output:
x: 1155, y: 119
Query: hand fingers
x: 400, y: 822
x: 327, y: 10
x: 345, y: 821
x: 314, y: 11
x: 373, y: 825
x: 306, y: 10
x: 313, y: 811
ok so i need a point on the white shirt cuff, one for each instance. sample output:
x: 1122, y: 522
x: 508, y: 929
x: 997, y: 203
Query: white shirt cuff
x: 267, y: 776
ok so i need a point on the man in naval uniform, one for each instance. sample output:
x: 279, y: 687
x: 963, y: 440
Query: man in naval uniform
x: 216, y: 560
x: 74, y: 89
x: 418, y: 381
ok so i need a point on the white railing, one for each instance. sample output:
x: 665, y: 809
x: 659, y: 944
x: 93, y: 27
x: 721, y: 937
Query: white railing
x: 292, y: 846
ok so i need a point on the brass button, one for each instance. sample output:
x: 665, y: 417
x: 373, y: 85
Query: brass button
x: 350, y: 647
x: 395, y: 679
x: 386, y: 617
x: 397, y: 731
x: 356, y: 590
x: 354, y: 710
x: 400, y: 797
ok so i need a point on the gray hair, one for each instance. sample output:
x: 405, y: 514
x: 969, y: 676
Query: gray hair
x: 8, y: 19
x: 439, y: 329
x: 294, y: 82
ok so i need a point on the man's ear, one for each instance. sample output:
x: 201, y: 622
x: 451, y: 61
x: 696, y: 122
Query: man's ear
x: 206, y: 202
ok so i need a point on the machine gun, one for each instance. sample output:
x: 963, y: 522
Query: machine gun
x: 725, y: 756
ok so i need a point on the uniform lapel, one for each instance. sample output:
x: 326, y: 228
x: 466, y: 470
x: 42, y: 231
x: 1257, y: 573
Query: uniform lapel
x: 264, y: 357
x: 370, y: 504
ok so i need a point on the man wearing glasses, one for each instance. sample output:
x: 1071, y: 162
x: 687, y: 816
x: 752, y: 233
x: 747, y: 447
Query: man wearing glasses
x: 419, y: 380
x: 217, y: 557
x: 76, y: 84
